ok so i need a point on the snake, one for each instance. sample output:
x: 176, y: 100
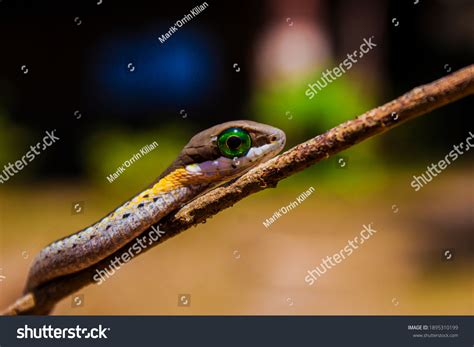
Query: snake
x: 210, y: 158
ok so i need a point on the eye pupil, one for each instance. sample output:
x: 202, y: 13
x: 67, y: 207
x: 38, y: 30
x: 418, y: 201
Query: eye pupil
x: 234, y: 142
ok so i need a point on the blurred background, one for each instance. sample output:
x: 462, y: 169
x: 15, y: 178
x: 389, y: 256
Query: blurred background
x: 96, y: 72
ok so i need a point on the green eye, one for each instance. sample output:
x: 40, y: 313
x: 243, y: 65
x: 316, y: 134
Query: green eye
x: 234, y: 142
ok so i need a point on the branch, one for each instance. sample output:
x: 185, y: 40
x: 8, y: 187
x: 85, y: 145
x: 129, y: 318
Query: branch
x: 417, y: 102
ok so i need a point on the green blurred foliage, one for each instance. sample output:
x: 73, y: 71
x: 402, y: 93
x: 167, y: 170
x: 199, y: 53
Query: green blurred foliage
x: 106, y: 150
x: 286, y: 106
x: 14, y: 142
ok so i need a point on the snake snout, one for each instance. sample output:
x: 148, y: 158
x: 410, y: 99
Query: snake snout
x: 277, y: 139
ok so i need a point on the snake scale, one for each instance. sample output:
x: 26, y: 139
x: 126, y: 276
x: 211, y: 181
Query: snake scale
x: 210, y: 158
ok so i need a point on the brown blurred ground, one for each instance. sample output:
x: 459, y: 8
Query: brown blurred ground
x: 233, y: 265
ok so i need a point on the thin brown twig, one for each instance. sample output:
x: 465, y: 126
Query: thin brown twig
x: 417, y: 102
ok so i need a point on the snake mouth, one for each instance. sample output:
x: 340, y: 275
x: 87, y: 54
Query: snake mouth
x: 264, y: 152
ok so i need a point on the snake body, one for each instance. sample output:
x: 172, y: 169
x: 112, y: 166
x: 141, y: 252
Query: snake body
x: 200, y: 166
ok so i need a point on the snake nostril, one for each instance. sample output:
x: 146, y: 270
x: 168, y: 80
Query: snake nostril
x: 273, y: 138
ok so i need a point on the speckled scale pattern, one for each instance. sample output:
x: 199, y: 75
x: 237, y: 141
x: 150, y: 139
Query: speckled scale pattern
x: 91, y: 245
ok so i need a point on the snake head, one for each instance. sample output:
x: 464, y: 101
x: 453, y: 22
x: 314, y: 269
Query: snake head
x: 228, y: 150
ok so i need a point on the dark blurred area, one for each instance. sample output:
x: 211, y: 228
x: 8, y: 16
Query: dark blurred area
x: 77, y: 55
x: 84, y: 67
